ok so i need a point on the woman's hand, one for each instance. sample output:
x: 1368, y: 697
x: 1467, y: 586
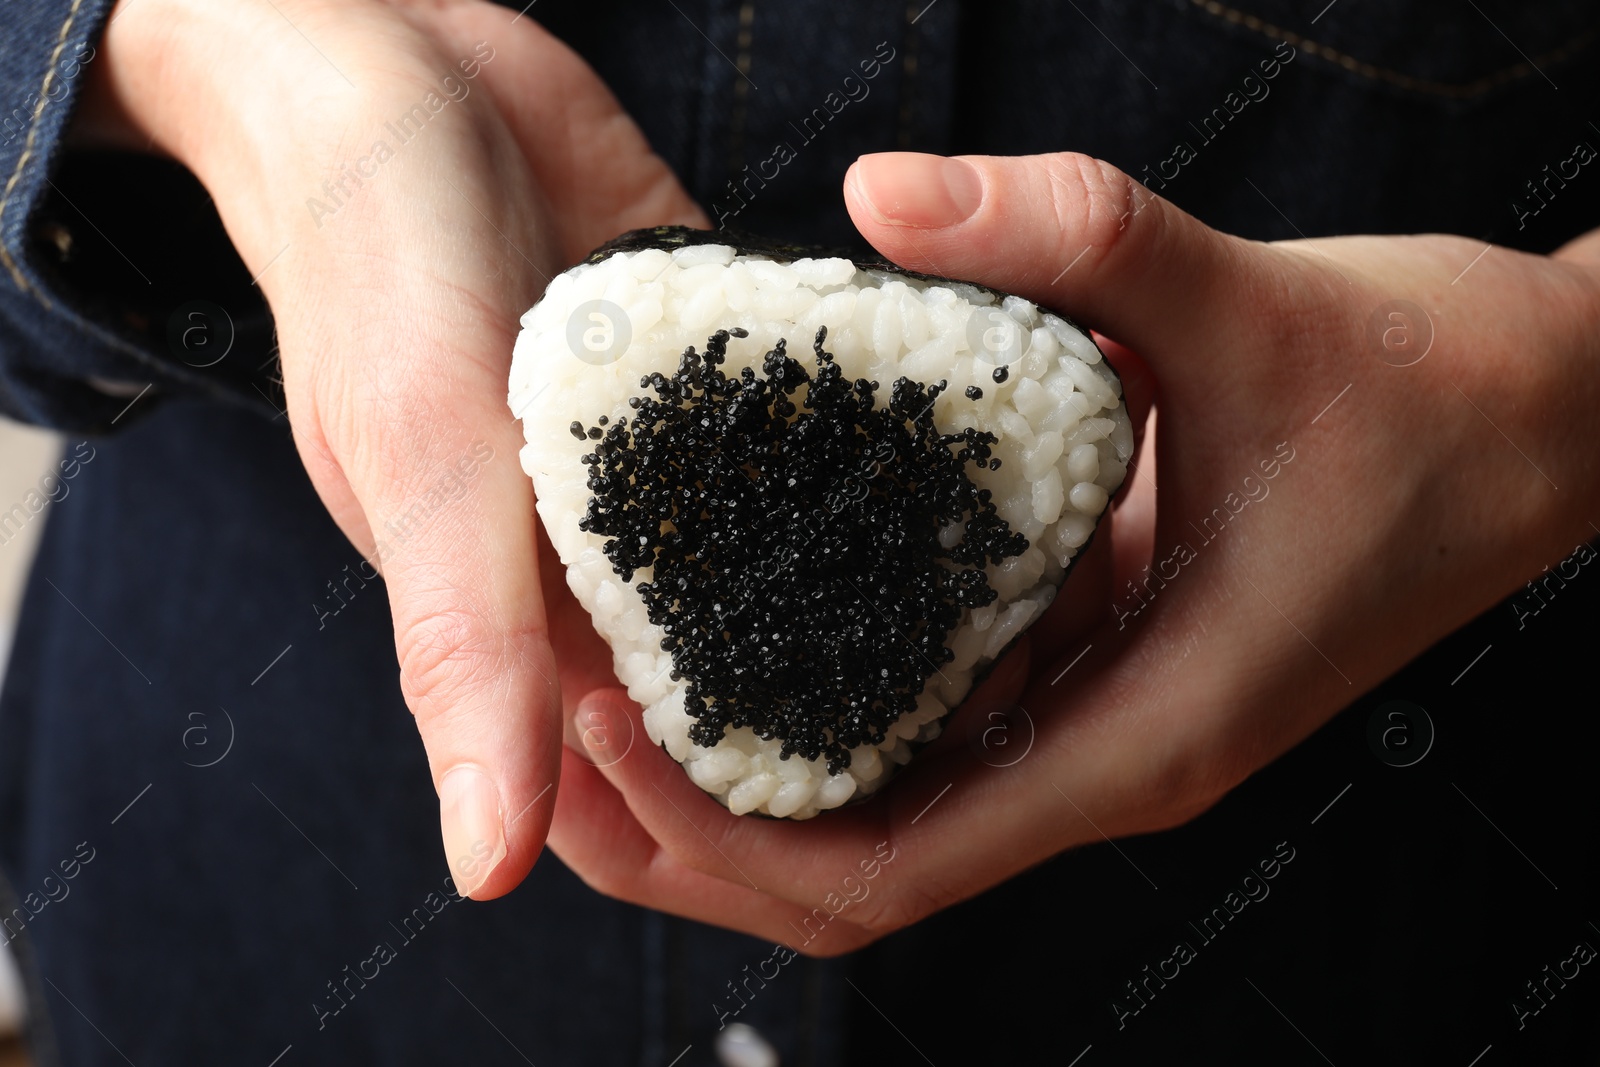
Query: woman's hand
x: 403, y: 178
x: 1342, y: 482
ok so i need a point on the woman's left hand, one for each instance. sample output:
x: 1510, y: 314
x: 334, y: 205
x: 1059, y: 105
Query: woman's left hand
x: 1360, y: 446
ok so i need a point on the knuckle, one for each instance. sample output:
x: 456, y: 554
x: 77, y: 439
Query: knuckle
x: 444, y: 654
x: 707, y: 850
x: 1187, y: 783
x: 1096, y: 204
x: 894, y: 908
x: 392, y: 426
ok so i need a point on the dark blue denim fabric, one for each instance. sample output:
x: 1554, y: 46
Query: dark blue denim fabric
x: 218, y: 908
x: 83, y: 323
x: 38, y: 384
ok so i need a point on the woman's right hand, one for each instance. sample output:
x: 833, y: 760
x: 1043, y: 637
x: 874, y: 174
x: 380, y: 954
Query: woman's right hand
x: 403, y: 179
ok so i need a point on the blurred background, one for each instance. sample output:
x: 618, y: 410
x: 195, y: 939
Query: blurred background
x: 26, y: 455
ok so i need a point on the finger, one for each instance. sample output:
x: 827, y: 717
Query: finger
x: 790, y: 860
x: 596, y: 835
x: 429, y: 454
x: 1067, y: 231
x: 476, y: 665
x: 950, y: 825
x: 1081, y: 603
x: 903, y: 869
x: 1134, y: 519
x: 1138, y: 393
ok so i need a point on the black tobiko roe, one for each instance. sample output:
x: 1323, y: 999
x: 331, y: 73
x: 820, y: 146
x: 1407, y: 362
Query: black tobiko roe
x: 792, y: 529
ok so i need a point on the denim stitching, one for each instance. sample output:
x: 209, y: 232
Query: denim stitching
x: 27, y: 150
x: 1393, y: 77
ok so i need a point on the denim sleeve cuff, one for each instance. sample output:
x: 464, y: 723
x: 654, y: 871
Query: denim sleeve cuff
x: 118, y: 286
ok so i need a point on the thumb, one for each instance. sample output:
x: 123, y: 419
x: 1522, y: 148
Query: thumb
x: 1065, y: 230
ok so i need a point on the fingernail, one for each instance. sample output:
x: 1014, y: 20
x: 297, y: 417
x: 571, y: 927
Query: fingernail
x: 915, y: 189
x: 469, y: 818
